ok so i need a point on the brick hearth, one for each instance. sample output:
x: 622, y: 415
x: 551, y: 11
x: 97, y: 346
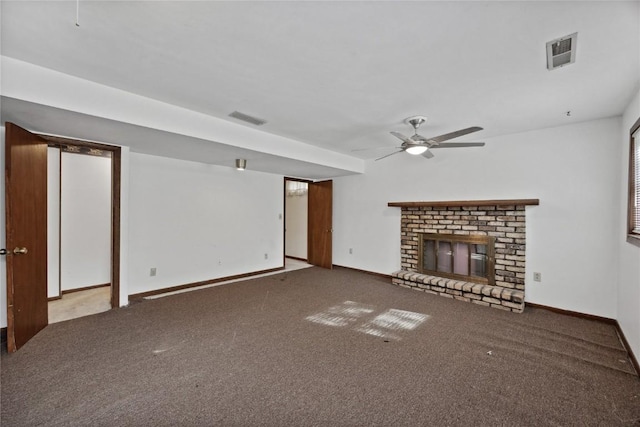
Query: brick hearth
x: 504, y: 220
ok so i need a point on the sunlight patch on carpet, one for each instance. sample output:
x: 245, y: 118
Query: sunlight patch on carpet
x: 364, y: 319
x: 343, y: 314
x: 386, y: 324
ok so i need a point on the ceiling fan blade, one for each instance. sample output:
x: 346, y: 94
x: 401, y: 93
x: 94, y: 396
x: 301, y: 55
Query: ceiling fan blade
x: 372, y: 148
x: 455, y: 134
x: 395, y: 152
x: 428, y: 154
x: 402, y: 137
x: 459, y: 144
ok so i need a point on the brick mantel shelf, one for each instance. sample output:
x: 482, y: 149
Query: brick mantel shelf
x: 461, y: 203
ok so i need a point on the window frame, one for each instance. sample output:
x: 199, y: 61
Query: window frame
x: 634, y: 145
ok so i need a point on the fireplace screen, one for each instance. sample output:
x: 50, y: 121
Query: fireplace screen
x: 468, y: 258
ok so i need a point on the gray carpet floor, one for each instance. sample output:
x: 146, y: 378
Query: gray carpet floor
x: 316, y: 347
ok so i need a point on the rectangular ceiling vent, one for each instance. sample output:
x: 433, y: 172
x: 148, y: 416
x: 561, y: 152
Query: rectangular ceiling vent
x: 247, y: 118
x: 562, y: 51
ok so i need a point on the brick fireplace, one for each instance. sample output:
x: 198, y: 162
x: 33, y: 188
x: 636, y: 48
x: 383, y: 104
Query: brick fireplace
x: 504, y: 220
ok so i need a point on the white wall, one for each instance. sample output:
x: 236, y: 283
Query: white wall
x: 190, y: 220
x: 296, y: 226
x: 53, y: 222
x: 572, y: 236
x: 196, y: 222
x: 85, y: 204
x: 629, y: 254
x: 85, y: 221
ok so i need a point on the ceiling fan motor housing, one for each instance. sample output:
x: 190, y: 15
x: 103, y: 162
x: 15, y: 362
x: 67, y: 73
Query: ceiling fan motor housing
x: 415, y: 121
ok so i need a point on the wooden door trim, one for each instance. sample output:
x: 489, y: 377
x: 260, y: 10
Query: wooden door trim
x: 115, y: 226
x: 116, y: 168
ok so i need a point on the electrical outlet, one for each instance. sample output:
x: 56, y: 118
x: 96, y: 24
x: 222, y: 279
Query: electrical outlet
x: 350, y: 251
x: 152, y: 272
x: 266, y: 256
x: 537, y: 277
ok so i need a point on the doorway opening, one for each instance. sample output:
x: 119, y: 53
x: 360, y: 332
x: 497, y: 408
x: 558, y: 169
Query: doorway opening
x: 78, y: 231
x: 315, y: 223
x: 83, y: 217
x: 296, y: 199
x: 26, y: 164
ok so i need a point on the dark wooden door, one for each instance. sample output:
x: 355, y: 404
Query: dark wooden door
x: 26, y: 239
x: 320, y: 224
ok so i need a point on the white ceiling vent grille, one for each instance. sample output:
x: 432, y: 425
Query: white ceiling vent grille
x: 247, y: 118
x: 562, y: 51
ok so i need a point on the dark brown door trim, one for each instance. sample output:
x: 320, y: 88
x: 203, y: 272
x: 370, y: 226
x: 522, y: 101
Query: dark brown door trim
x: 116, y: 158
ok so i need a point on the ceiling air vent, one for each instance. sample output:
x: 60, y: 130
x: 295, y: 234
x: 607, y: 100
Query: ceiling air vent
x: 247, y: 118
x: 562, y: 51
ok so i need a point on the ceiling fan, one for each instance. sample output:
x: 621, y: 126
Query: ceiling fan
x: 418, y: 144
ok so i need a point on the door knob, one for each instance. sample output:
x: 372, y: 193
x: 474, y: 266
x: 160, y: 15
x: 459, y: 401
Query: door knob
x: 18, y: 251
x: 3, y: 251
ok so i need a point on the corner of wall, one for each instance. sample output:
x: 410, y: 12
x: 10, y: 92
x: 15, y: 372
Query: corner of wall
x: 628, y: 301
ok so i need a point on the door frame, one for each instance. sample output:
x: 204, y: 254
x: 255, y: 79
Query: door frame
x: 284, y: 217
x: 116, y: 167
x: 284, y: 203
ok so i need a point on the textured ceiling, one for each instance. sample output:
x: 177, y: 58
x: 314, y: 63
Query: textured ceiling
x: 341, y: 75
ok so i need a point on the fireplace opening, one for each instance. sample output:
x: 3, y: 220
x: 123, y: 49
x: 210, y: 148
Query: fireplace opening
x: 465, y: 257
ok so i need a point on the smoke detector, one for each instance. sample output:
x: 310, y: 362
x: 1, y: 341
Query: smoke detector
x: 562, y: 51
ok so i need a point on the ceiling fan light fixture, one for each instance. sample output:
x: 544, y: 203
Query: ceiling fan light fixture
x: 416, y: 149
